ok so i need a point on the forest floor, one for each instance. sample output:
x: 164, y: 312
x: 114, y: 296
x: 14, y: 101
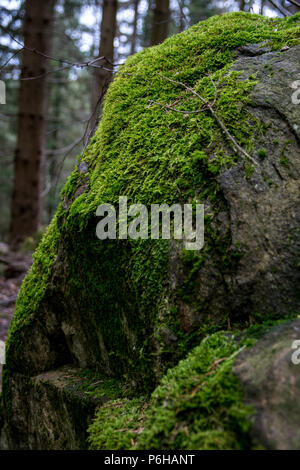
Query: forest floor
x: 13, y: 267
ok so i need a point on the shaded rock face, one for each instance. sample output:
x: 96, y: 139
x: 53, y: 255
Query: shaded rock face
x: 136, y: 308
x: 271, y: 383
x: 265, y: 210
x: 55, y: 412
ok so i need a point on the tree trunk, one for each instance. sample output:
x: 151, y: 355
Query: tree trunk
x: 102, y: 78
x: 161, y: 18
x: 27, y: 201
x: 262, y: 7
x: 135, y: 20
x: 182, y: 22
x: 242, y: 5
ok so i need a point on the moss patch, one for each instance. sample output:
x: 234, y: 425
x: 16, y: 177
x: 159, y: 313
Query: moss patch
x: 198, y: 405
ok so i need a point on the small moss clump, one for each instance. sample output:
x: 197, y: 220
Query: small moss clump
x: 262, y: 153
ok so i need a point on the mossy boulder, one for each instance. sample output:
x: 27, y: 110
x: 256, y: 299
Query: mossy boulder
x: 131, y: 309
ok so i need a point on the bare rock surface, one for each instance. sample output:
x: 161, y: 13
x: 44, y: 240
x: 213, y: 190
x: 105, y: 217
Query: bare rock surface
x: 271, y: 382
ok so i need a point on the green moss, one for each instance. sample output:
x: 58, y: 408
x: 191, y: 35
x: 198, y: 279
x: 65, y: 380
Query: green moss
x: 132, y: 155
x: 284, y: 161
x: 262, y: 153
x: 117, y: 424
x: 98, y: 385
x: 198, y: 405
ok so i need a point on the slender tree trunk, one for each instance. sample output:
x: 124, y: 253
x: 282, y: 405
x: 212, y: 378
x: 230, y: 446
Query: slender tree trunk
x: 242, y: 5
x: 135, y: 20
x: 262, y: 7
x: 27, y: 203
x: 161, y: 19
x: 246, y: 5
x: 182, y: 23
x: 102, y: 78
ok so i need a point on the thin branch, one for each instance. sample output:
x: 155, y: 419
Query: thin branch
x: 63, y: 161
x: 46, y: 191
x: 209, y: 106
x: 65, y: 125
x: 7, y: 62
x: 81, y: 65
x: 172, y: 108
x: 295, y: 3
x: 91, y: 63
x: 90, y: 131
x: 63, y: 149
x: 46, y: 73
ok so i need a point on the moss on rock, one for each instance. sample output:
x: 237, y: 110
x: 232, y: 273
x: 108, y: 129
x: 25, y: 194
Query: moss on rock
x: 201, y: 402
x: 198, y: 405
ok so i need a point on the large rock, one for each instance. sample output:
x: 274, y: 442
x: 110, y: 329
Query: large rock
x: 132, y: 309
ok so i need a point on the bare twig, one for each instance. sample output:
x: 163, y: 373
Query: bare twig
x: 222, y: 126
x: 91, y: 63
x: 172, y: 108
x: 46, y: 191
x: 63, y: 161
x: 11, y: 57
x: 63, y: 149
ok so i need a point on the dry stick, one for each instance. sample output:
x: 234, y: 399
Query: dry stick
x: 172, y: 108
x: 90, y: 63
x: 215, y: 116
x: 80, y: 65
x: 63, y: 149
x: 47, y: 73
x: 7, y: 62
x: 70, y: 64
x: 87, y: 135
x: 63, y: 161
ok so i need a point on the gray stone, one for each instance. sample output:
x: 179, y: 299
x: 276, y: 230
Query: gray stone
x: 271, y: 383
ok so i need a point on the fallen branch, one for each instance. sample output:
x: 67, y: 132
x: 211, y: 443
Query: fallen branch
x: 209, y: 106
